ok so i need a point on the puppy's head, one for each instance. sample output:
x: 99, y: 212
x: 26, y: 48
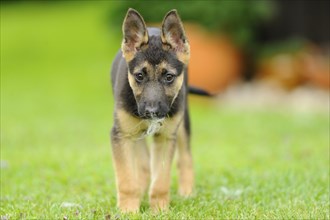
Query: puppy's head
x: 156, y: 62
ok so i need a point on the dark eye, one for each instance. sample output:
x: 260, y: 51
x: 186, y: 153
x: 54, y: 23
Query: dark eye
x: 139, y: 77
x: 169, y: 78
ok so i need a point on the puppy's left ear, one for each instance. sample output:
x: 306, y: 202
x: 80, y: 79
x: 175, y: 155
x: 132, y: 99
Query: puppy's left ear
x: 173, y: 34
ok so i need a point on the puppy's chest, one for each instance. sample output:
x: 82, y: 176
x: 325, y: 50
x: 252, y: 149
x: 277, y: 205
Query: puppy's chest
x: 144, y: 128
x: 132, y: 127
x: 147, y: 128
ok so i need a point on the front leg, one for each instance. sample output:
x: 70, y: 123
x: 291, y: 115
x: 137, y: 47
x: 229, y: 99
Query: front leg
x: 128, y: 189
x: 161, y: 159
x: 141, y: 154
x: 185, y: 163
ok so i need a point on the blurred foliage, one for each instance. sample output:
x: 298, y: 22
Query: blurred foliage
x: 288, y: 46
x: 236, y: 18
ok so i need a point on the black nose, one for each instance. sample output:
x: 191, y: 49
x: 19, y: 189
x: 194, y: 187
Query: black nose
x: 154, y: 110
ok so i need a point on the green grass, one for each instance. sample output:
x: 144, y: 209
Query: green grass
x: 56, y: 114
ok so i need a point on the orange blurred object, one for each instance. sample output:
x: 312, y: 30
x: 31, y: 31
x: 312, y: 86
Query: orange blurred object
x: 289, y: 70
x: 317, y: 68
x: 283, y: 70
x: 215, y: 62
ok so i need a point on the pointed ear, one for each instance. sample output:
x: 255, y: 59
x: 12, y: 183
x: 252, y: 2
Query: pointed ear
x: 173, y: 34
x: 135, y: 34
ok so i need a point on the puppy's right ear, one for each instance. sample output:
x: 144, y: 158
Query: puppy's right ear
x: 135, y: 34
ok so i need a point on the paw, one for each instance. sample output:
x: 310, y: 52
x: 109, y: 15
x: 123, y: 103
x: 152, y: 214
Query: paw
x: 160, y: 203
x: 129, y: 205
x: 185, y: 191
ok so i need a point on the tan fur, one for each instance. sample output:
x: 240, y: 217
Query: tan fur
x: 184, y: 54
x: 135, y: 167
x: 173, y: 91
x: 131, y: 162
x: 184, y: 57
x: 162, y: 153
x: 128, y: 52
x: 130, y: 126
x: 128, y: 189
x: 185, y: 164
x: 143, y: 165
x: 161, y: 159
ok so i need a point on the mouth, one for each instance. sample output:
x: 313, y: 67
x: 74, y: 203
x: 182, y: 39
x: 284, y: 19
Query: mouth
x: 152, y: 116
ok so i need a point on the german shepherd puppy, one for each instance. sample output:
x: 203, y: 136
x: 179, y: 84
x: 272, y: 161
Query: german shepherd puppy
x: 149, y: 81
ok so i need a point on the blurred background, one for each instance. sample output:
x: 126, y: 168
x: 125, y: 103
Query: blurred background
x: 246, y: 51
x: 255, y: 57
x: 283, y: 45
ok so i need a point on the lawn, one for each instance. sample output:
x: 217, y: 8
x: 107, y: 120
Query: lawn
x: 56, y: 114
